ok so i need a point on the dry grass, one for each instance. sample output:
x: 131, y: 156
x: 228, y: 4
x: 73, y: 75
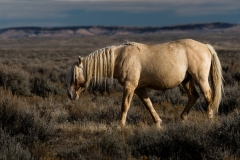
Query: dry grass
x: 38, y: 121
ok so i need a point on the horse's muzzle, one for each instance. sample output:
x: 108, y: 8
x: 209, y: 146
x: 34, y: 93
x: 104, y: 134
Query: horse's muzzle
x: 71, y: 95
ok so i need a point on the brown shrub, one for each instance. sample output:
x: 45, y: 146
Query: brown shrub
x: 14, y: 79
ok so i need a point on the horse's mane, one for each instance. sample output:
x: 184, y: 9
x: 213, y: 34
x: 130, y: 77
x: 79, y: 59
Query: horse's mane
x: 99, y: 65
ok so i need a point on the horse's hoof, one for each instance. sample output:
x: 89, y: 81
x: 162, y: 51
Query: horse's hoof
x: 210, y: 114
x: 159, y: 127
x: 120, y: 126
x: 183, y: 121
x: 184, y: 118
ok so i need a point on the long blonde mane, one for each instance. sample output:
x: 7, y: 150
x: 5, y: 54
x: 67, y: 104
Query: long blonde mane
x: 99, y: 65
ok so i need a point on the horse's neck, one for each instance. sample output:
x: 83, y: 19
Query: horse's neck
x: 99, y: 65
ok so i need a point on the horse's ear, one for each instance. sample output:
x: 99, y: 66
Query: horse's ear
x: 79, y: 60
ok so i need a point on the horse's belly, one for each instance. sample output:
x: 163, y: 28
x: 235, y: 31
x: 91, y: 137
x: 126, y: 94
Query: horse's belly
x: 162, y: 86
x: 162, y: 81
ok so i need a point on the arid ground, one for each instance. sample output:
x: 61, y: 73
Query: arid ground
x: 38, y: 121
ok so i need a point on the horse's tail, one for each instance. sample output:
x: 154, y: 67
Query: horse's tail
x: 217, y: 79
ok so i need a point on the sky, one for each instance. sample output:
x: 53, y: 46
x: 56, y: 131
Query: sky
x: 58, y: 13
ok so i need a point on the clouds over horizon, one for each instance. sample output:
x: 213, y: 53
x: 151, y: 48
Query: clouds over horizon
x: 59, y: 12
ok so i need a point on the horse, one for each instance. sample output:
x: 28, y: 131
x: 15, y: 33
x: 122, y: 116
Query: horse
x: 163, y: 66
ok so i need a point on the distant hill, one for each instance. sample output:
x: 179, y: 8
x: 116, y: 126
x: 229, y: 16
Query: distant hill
x: 84, y: 31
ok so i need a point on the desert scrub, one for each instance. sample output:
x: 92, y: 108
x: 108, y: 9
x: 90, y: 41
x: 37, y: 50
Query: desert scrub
x: 18, y: 118
x: 14, y: 79
x: 183, y: 141
x: 54, y: 127
x: 41, y: 86
x: 24, y: 124
x: 114, y: 146
x: 53, y: 73
x: 231, y: 100
x: 236, y: 76
x: 20, y: 82
x: 227, y: 136
x: 94, y: 108
x: 11, y: 148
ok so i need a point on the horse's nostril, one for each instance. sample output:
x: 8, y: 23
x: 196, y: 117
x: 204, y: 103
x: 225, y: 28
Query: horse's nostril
x: 69, y: 95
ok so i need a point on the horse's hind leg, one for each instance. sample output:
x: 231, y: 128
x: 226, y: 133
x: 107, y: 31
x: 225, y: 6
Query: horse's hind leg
x: 142, y: 94
x: 189, y: 87
x: 207, y: 92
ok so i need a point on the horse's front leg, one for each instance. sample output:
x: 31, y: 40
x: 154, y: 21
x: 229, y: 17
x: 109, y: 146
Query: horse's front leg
x: 142, y: 94
x: 128, y: 91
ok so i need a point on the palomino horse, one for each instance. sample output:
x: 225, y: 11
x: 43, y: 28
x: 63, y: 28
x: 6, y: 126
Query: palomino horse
x: 162, y: 66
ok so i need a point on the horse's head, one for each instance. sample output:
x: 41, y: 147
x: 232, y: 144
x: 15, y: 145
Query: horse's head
x: 76, y: 80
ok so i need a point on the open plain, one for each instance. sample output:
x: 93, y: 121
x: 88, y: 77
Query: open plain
x: 38, y: 121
